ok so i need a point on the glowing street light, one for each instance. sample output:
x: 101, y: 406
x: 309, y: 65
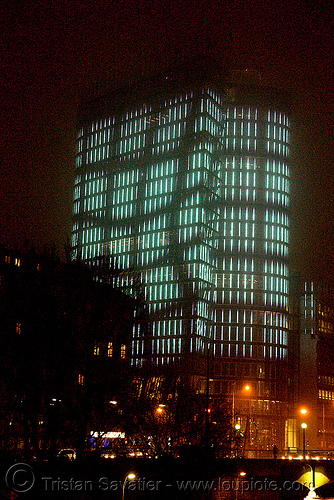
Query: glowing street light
x: 160, y: 408
x: 129, y: 477
x: 245, y: 389
x: 240, y: 474
x: 237, y: 428
x: 243, y: 392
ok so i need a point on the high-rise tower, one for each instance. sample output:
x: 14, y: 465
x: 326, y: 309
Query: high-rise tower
x: 185, y: 179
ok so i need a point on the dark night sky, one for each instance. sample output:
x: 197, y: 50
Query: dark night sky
x: 54, y: 51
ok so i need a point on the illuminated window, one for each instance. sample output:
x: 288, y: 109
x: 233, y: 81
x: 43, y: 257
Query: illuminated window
x: 110, y: 349
x: 96, y: 349
x: 123, y: 351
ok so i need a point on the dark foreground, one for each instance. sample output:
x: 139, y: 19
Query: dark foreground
x: 188, y: 478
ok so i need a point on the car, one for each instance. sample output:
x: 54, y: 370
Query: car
x: 67, y: 453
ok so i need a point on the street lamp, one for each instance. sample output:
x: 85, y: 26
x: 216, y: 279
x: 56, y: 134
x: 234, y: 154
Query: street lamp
x: 239, y: 474
x: 160, y: 408
x: 237, y: 437
x: 246, y: 389
x: 304, y: 427
x: 129, y: 477
x: 311, y: 486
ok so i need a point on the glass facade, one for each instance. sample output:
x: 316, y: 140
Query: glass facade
x: 191, y: 191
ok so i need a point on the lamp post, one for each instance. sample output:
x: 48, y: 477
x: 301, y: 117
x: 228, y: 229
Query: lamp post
x: 323, y: 425
x: 246, y: 389
x: 237, y: 430
x: 128, y: 477
x: 233, y: 401
x: 242, y: 392
x: 312, y: 482
x: 239, y: 474
x: 304, y: 427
